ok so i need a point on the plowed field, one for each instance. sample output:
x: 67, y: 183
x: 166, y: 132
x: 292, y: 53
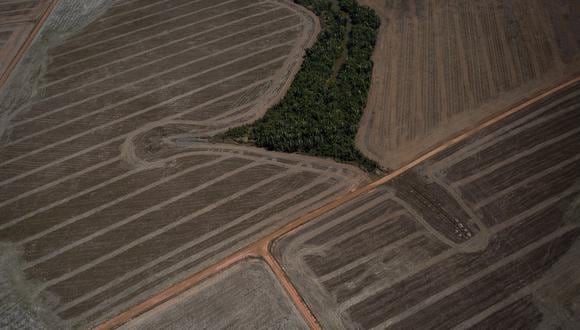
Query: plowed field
x: 483, y: 235
x: 116, y: 209
x: 246, y: 294
x: 17, y: 19
x: 107, y: 188
x: 443, y: 66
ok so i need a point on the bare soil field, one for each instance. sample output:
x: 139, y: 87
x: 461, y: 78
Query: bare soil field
x: 114, y: 207
x: 108, y: 189
x: 246, y: 295
x: 443, y: 66
x: 483, y: 235
x: 17, y: 20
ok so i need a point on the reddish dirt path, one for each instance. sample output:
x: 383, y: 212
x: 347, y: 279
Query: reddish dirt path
x: 261, y: 248
x: 23, y: 47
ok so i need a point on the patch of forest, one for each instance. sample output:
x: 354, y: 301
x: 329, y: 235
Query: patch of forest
x: 321, y: 111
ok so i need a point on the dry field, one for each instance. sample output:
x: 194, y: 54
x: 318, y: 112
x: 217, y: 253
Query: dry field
x: 246, y: 295
x: 107, y: 188
x: 17, y: 19
x: 112, y: 199
x: 443, y: 66
x: 483, y: 235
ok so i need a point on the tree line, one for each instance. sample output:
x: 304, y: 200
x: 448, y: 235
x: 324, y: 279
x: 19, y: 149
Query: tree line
x: 321, y: 111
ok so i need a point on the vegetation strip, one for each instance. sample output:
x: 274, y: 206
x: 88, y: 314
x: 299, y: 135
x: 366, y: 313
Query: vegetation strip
x: 321, y: 112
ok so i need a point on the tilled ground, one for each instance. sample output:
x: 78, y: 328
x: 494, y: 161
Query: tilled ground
x: 110, y: 192
x: 106, y: 186
x: 443, y: 66
x: 17, y: 19
x: 246, y: 295
x: 482, y: 235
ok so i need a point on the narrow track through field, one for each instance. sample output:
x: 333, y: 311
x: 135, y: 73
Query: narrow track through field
x: 107, y: 187
x: 442, y: 66
x: 112, y: 195
x: 375, y: 210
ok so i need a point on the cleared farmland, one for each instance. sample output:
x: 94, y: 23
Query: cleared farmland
x: 247, y: 294
x: 483, y: 235
x: 107, y: 188
x: 443, y: 66
x: 17, y: 19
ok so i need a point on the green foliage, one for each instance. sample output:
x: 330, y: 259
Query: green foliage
x: 237, y: 132
x: 320, y: 113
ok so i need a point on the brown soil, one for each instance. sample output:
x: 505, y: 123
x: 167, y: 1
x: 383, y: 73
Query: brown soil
x: 444, y: 66
x: 246, y: 294
x: 18, y: 20
x: 106, y: 183
x: 119, y: 204
x: 395, y: 257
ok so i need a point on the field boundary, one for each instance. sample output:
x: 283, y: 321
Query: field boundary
x: 261, y: 248
x: 26, y: 44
